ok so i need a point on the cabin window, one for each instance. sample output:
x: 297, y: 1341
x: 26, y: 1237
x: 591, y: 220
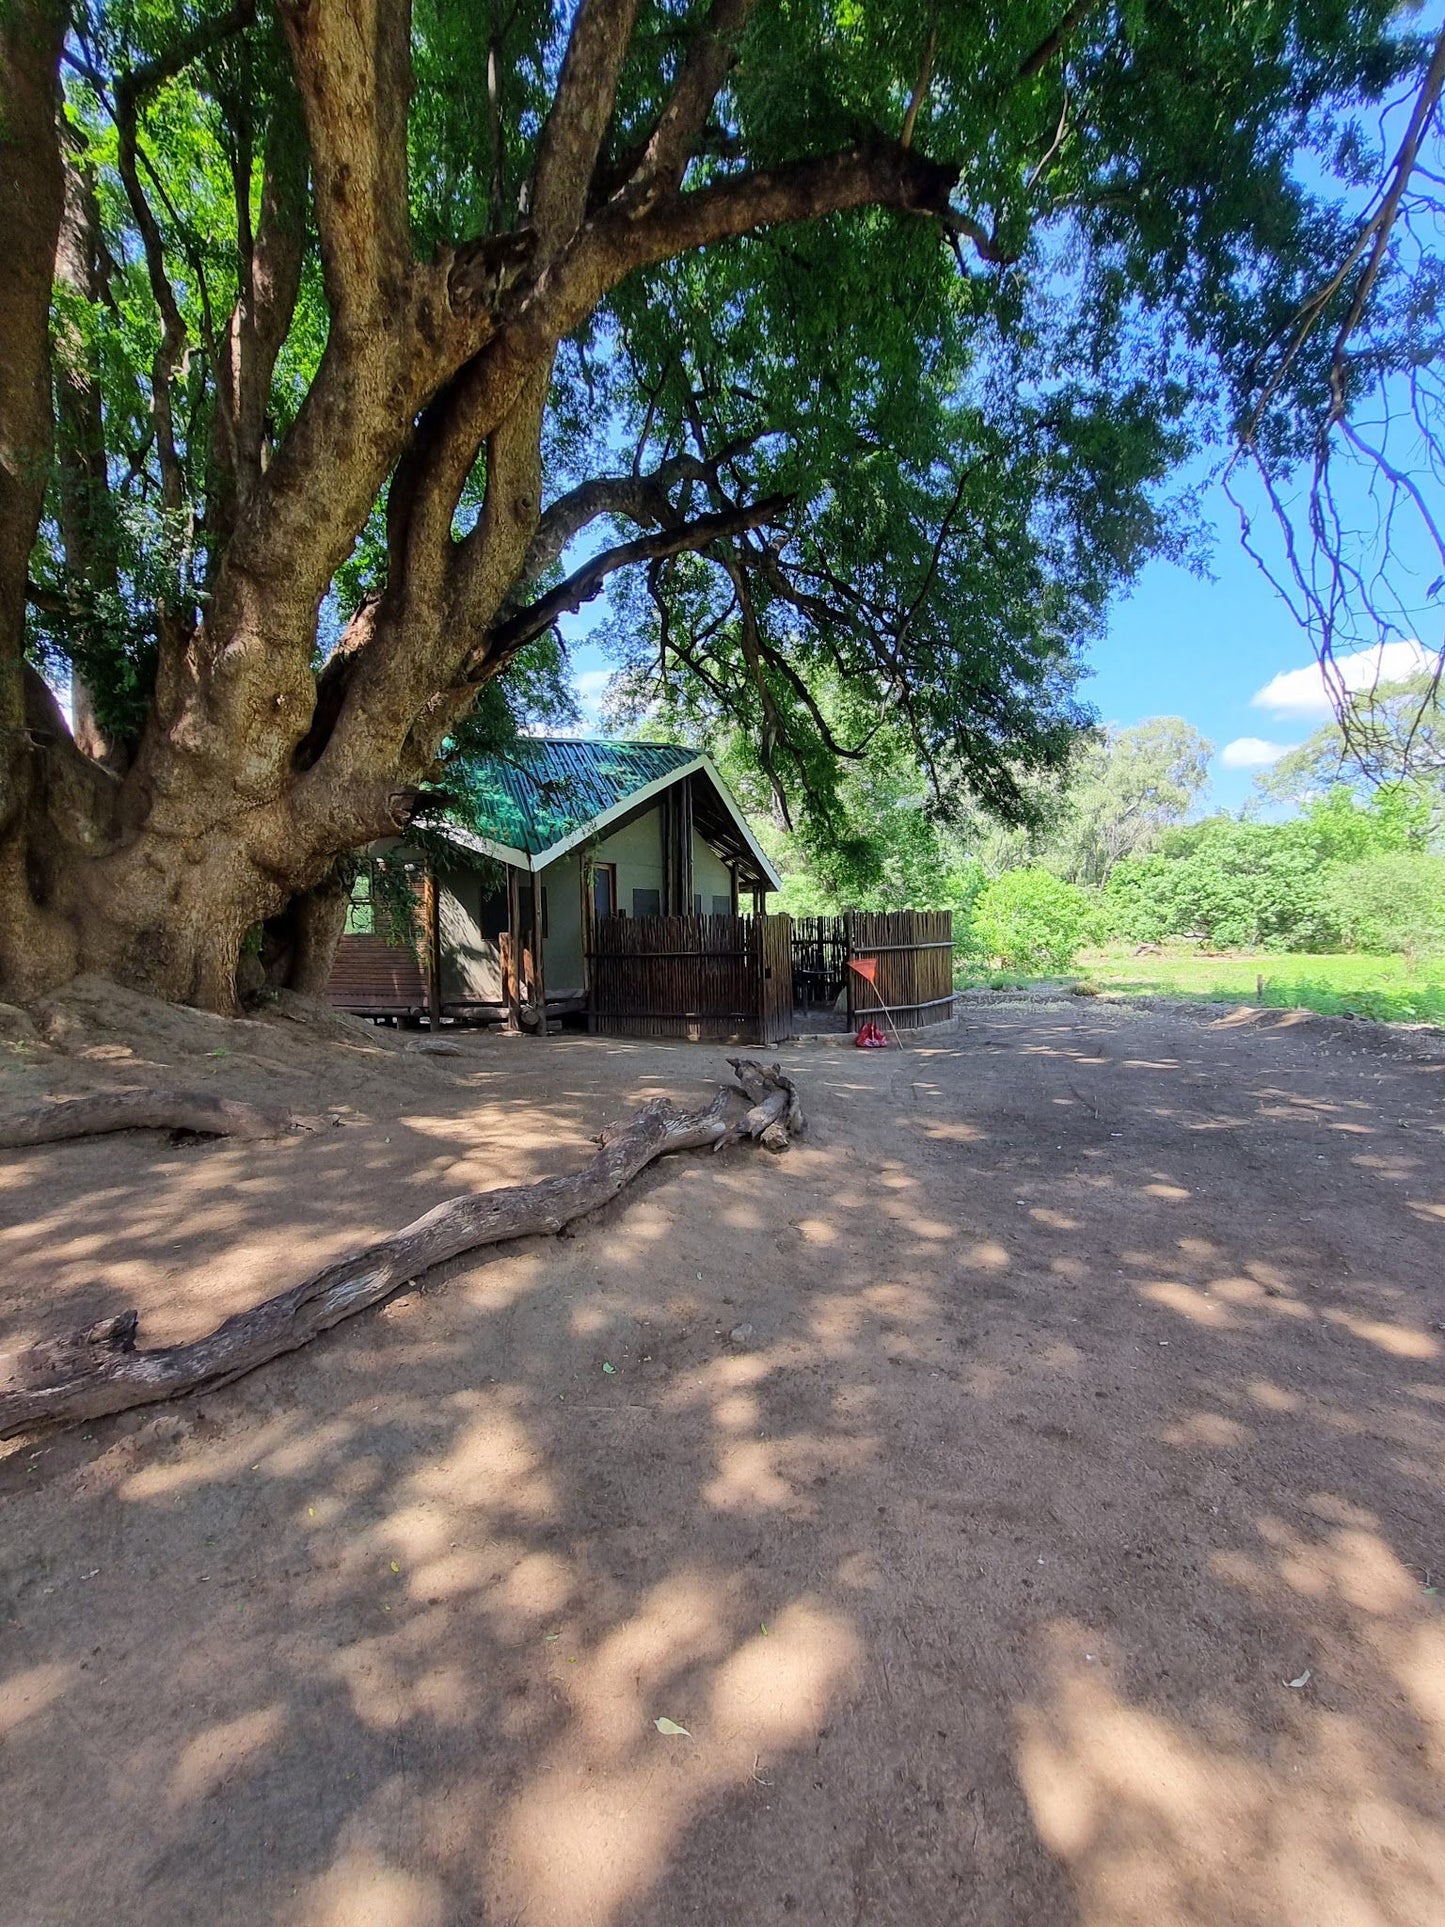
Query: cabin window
x: 697, y: 904
x: 492, y: 915
x: 722, y: 906
x: 647, y: 903
x: 604, y: 890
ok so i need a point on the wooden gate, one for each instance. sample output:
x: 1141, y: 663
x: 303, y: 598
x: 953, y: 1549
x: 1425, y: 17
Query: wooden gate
x: 913, y: 977
x: 707, y: 979
x: 820, y: 962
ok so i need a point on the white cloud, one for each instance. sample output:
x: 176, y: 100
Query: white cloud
x: 1304, y: 692
x: 1252, y: 752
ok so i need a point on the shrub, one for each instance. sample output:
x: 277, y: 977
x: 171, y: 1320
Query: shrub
x: 1240, y: 885
x: 1393, y: 902
x: 1030, y: 920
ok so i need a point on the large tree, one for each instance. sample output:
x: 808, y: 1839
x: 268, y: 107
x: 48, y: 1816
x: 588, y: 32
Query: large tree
x: 864, y: 333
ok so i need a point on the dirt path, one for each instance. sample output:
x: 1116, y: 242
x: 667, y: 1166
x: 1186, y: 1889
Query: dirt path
x: 1093, y: 1391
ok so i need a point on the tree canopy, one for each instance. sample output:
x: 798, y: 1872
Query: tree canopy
x: 854, y: 342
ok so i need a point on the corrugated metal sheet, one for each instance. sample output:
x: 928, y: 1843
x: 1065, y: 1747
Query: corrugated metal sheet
x: 550, y: 787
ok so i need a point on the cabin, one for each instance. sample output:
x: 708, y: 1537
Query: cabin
x: 564, y: 834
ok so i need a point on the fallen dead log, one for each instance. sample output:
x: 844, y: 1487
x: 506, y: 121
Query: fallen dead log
x: 202, y: 1112
x: 776, y: 1116
x: 98, y: 1370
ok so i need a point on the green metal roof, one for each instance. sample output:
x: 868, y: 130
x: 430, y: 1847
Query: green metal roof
x: 549, y: 787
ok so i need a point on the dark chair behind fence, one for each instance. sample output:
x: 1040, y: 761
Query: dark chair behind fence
x: 820, y: 961
x: 913, y: 950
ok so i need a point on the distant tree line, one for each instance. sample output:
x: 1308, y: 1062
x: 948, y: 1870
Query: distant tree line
x: 1360, y: 864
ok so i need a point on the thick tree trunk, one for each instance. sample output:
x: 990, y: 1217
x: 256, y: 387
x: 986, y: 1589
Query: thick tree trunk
x: 31, y: 195
x: 86, y: 529
x: 98, y: 1370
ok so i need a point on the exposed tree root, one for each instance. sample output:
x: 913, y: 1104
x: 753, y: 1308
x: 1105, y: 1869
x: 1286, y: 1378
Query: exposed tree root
x: 200, y: 1111
x: 99, y: 1370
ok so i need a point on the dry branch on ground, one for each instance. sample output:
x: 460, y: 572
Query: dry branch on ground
x: 99, y: 1370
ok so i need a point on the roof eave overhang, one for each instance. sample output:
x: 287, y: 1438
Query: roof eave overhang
x: 627, y: 806
x: 487, y: 846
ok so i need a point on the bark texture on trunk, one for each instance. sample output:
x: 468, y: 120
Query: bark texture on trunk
x: 99, y: 1369
x: 32, y: 947
x: 251, y: 774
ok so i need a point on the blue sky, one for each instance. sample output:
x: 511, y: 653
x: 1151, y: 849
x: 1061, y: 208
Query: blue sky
x: 1226, y: 654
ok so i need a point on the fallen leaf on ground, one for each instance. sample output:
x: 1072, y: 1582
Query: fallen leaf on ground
x: 1303, y: 1680
x: 671, y: 1727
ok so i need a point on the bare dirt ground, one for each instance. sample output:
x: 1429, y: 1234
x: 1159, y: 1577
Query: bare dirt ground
x: 1062, y: 1543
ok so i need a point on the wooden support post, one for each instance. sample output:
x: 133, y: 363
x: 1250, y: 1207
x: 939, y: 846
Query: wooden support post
x: 588, y: 926
x: 431, y: 938
x: 847, y: 959
x: 667, y: 840
x: 512, y: 962
x: 686, y: 906
x: 539, y: 971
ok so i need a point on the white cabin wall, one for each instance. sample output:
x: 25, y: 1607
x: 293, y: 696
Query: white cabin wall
x: 636, y: 849
x: 710, y: 876
x: 471, y: 963
x: 562, y: 958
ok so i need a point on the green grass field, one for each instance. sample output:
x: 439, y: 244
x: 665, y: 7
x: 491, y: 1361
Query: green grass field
x: 1361, y: 986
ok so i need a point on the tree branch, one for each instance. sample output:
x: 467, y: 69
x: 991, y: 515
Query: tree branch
x: 259, y: 323
x: 352, y: 60
x: 1374, y: 236
x: 875, y: 174
x: 922, y: 83
x: 1035, y: 62
x: 640, y: 498
x: 518, y: 630
x: 682, y: 121
x: 581, y: 110
x: 99, y: 1369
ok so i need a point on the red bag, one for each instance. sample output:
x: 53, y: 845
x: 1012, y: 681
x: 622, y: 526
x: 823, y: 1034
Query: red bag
x: 870, y: 1037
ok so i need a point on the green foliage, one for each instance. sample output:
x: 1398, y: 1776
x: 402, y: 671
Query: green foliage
x: 1233, y: 884
x: 974, y: 462
x: 1240, y: 884
x: 1393, y: 902
x: 974, y: 444
x: 1029, y: 920
x: 1119, y: 793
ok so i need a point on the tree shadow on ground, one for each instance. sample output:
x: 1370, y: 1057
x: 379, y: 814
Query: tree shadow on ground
x: 1086, y: 1390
